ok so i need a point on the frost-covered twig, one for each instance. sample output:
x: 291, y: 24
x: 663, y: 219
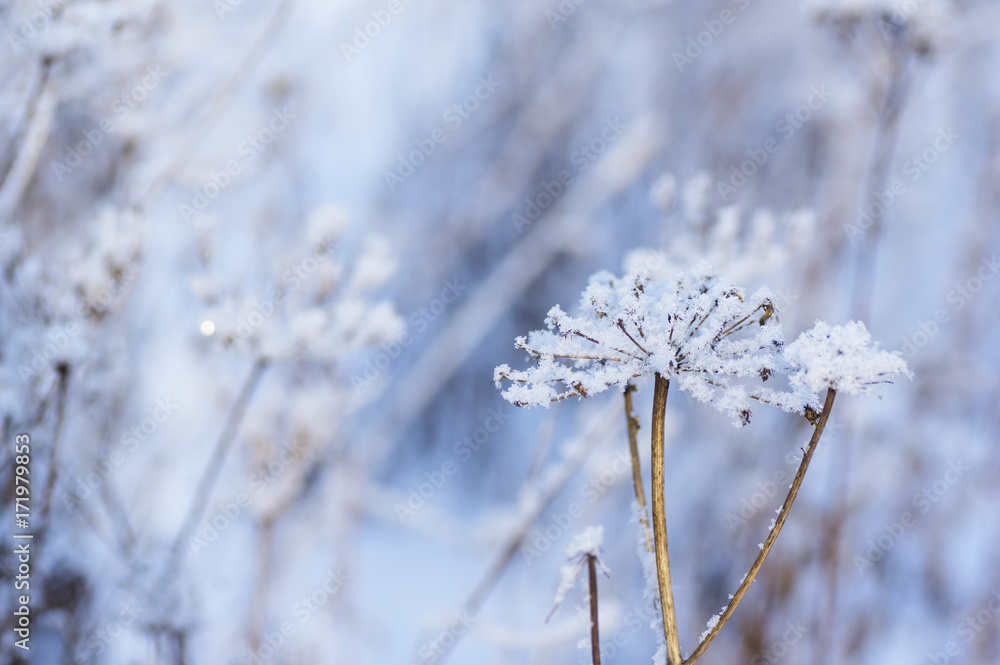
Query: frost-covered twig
x: 584, y: 550
x: 585, y: 544
x: 670, y: 635
x: 16, y: 176
x: 772, y: 537
x: 548, y: 486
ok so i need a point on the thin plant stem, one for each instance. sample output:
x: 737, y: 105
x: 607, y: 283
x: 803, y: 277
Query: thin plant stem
x: 189, y: 147
x: 208, y: 478
x: 595, y: 646
x: 633, y: 446
x: 63, y: 371
x: 773, y: 536
x: 865, y: 273
x: 548, y: 491
x: 877, y: 180
x: 258, y: 604
x: 674, y: 657
x: 21, y: 131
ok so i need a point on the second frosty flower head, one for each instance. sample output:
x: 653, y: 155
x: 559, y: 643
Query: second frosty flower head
x: 684, y: 329
x: 844, y: 358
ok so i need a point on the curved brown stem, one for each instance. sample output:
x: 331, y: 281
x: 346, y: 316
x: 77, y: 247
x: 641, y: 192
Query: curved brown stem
x: 660, y: 524
x: 773, y: 536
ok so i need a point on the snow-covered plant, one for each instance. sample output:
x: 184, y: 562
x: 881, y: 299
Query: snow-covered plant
x: 584, y: 550
x: 686, y: 329
x: 718, y: 344
x: 316, y: 303
x: 71, y: 295
x: 741, y: 248
x: 584, y: 544
x: 318, y: 306
x: 317, y: 309
x: 841, y: 358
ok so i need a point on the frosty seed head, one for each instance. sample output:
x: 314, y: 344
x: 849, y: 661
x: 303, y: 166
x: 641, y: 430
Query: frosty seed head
x: 844, y: 358
x: 695, y: 328
x: 708, y: 336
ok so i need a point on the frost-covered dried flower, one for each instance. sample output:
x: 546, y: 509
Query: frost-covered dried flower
x: 844, y: 358
x: 684, y: 329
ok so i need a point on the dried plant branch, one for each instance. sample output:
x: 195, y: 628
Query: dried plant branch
x: 539, y: 354
x: 621, y: 326
x: 768, y: 308
x: 674, y: 657
x: 211, y: 473
x: 633, y: 446
x: 572, y: 357
x: 876, y: 180
x: 566, y: 395
x: 595, y: 646
x: 773, y: 536
x: 9, y: 156
x: 594, y: 341
x: 258, y: 603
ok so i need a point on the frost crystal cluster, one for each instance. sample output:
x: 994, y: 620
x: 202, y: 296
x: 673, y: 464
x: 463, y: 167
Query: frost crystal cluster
x: 706, y: 335
x: 844, y: 358
x: 584, y: 544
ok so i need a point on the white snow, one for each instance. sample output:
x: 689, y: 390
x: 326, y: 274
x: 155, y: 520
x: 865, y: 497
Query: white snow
x: 710, y: 625
x: 587, y: 542
x: 844, y: 358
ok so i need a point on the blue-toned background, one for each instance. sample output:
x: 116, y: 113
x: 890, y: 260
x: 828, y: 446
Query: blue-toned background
x: 259, y: 260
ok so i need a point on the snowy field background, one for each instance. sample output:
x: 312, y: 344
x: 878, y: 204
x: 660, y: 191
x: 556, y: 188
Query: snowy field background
x: 260, y: 259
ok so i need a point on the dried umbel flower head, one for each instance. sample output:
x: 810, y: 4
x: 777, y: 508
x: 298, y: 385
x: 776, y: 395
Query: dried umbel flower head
x: 695, y: 328
x: 707, y: 335
x: 844, y: 358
